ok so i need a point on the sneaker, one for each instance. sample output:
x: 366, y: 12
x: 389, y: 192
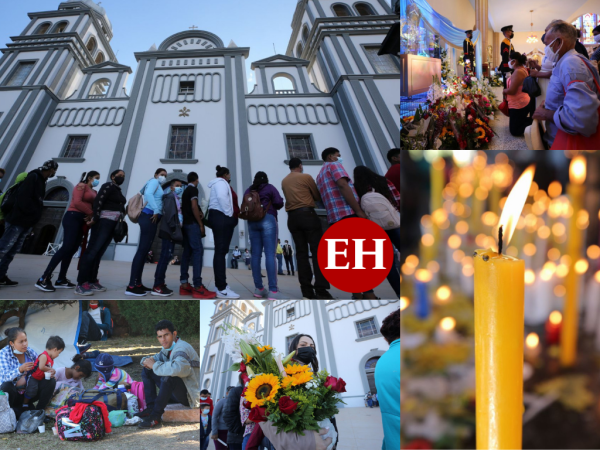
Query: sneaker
x: 202, y: 292
x: 7, y: 282
x: 64, y: 284
x: 151, y: 422
x: 162, y: 291
x: 84, y: 347
x: 45, y: 284
x: 277, y: 296
x: 143, y: 414
x: 185, y: 289
x: 136, y: 291
x: 260, y: 293
x: 147, y: 289
x: 308, y: 295
x: 83, y: 289
x: 97, y: 287
x: 323, y: 294
x: 227, y: 293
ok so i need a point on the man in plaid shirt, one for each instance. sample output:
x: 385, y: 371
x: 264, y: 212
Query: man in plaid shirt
x: 336, y: 189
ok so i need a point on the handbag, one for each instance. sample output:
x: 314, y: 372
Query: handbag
x: 503, y: 107
x: 121, y: 230
x: 204, y: 208
x: 531, y: 87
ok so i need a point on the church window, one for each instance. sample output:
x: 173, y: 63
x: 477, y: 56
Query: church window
x: 251, y: 325
x: 99, y: 89
x: 366, y: 328
x: 288, y: 341
x: 244, y: 307
x: 305, y: 33
x: 364, y: 9
x: 60, y: 27
x: 186, y: 87
x: 299, y: 50
x: 211, y: 361
x: 341, y: 10
x: 221, y: 307
x: 291, y: 313
x: 284, y: 83
x: 181, y: 142
x: 216, y: 61
x: 74, y: 147
x: 92, y: 44
x: 206, y: 384
x: 300, y: 146
x: 20, y: 73
x: 43, y: 28
x: 218, y: 333
x: 178, y: 62
x: 381, y: 63
x: 200, y: 61
x: 100, y: 58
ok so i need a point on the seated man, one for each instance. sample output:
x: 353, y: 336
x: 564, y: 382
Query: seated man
x: 96, y: 325
x: 175, y: 371
x: 101, y: 315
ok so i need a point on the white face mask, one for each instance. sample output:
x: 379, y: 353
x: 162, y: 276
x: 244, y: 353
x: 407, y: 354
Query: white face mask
x: 597, y: 38
x: 549, y: 53
x: 511, y: 64
x: 556, y: 54
x: 162, y: 179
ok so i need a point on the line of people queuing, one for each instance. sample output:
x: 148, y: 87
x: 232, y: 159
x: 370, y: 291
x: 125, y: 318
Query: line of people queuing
x: 176, y: 213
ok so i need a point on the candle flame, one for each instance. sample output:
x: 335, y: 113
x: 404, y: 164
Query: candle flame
x: 555, y: 317
x: 532, y: 340
x: 578, y: 170
x: 514, y: 205
x: 404, y: 302
x: 448, y: 323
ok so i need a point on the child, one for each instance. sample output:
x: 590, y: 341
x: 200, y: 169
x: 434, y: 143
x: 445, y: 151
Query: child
x: 43, y: 364
x: 73, y: 375
x: 205, y: 425
x: 110, y: 377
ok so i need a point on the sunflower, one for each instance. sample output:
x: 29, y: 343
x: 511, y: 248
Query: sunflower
x: 249, y: 359
x: 292, y: 369
x: 287, y: 382
x: 301, y: 378
x: 262, y: 389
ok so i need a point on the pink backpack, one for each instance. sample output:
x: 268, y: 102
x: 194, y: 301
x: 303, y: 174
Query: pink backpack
x: 379, y: 210
x: 90, y: 428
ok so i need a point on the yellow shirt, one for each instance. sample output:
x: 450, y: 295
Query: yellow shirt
x: 279, y: 250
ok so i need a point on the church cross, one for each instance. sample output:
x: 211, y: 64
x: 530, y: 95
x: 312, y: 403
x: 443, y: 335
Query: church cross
x: 193, y: 27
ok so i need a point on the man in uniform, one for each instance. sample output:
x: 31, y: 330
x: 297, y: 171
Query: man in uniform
x: 469, y: 51
x: 506, y: 48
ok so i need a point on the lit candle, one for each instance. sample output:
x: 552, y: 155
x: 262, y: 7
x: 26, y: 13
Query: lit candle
x: 445, y: 332
x: 499, y: 324
x: 423, y: 308
x: 575, y: 190
x: 437, y: 186
x: 553, y: 326
x: 532, y: 348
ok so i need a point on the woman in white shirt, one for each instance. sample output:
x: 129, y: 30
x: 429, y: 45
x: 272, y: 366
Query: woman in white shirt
x: 72, y: 376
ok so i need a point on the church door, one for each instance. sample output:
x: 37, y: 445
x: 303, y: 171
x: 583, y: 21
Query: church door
x: 370, y: 370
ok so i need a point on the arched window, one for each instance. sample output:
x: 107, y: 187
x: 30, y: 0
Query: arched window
x: 207, y: 384
x: 43, y: 28
x: 60, y: 27
x: 243, y: 307
x: 364, y: 9
x: 251, y: 325
x: 99, y: 58
x: 299, y: 50
x: 370, y: 370
x: 221, y: 307
x: 100, y: 88
x: 305, y: 33
x: 59, y: 194
x: 92, y: 44
x: 284, y: 83
x: 341, y: 10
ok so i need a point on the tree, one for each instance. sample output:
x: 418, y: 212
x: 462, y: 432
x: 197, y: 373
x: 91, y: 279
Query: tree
x: 142, y: 315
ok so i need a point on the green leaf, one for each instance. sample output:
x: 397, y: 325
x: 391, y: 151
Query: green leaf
x: 234, y: 368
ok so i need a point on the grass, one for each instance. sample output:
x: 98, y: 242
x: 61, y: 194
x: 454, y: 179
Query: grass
x: 170, y: 436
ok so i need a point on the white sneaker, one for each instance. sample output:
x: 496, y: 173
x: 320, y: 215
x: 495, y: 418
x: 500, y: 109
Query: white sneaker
x: 227, y: 293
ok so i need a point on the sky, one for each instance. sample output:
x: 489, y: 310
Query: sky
x: 137, y: 24
x: 207, y: 309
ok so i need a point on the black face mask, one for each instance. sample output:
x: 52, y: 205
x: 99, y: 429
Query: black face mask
x: 512, y: 35
x: 306, y: 354
x: 119, y: 180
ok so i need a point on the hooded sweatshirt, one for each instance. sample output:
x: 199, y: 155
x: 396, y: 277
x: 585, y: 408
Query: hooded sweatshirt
x: 221, y: 197
x: 30, y: 201
x: 20, y: 178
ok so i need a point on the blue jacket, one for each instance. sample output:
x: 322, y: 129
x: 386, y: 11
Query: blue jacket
x: 387, y: 380
x: 204, y: 434
x: 153, y: 196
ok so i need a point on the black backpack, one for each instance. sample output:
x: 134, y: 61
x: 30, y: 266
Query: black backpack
x: 10, y: 198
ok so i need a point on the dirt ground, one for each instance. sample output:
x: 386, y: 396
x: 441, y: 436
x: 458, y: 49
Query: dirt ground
x: 175, y: 436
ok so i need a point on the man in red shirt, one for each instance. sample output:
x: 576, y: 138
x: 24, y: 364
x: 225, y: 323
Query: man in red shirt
x: 393, y: 174
x: 205, y: 398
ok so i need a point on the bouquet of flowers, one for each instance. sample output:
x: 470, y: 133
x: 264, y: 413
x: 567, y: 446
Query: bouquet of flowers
x: 290, y: 396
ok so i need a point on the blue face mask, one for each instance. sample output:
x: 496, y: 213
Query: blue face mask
x: 17, y: 352
x: 95, y: 183
x: 179, y: 190
x: 340, y: 160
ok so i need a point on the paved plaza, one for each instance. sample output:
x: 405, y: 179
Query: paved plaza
x: 115, y: 275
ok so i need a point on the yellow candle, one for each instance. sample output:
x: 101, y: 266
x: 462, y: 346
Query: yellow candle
x: 437, y: 186
x: 499, y: 330
x: 568, y: 337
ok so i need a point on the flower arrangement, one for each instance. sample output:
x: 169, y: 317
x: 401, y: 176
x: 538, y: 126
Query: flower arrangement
x: 496, y: 80
x: 289, y: 395
x: 447, y: 72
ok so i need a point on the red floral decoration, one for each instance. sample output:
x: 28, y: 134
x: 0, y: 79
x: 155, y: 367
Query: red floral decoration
x: 287, y: 405
x: 337, y: 384
x: 258, y: 414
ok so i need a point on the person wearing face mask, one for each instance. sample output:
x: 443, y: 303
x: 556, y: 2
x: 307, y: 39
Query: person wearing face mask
x: 206, y: 425
x: 301, y: 194
x: 572, y: 107
x: 506, y: 49
x: 74, y: 228
x: 596, y: 55
x: 107, y: 208
x: 543, y: 72
x: 518, y: 101
x: 26, y: 211
x: 205, y: 398
x: 148, y: 221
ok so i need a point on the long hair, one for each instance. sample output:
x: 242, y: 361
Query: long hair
x: 365, y: 180
x: 259, y: 178
x: 294, y: 346
x: 85, y: 176
x: 82, y: 365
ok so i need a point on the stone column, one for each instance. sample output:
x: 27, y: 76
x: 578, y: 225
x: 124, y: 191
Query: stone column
x: 481, y: 19
x: 496, y: 49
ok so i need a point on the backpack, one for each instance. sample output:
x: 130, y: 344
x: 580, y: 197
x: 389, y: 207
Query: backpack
x: 136, y: 204
x: 89, y: 428
x: 8, y: 420
x: 9, y: 199
x: 114, y: 399
x: 379, y: 210
x: 251, y: 209
x: 30, y: 421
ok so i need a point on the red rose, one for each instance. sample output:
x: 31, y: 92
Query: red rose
x: 454, y: 109
x: 287, y: 405
x: 419, y: 444
x: 242, y: 367
x: 258, y: 414
x: 245, y: 378
x: 337, y: 384
x: 247, y: 405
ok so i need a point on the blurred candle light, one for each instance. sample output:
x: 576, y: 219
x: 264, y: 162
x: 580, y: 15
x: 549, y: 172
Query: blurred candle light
x: 592, y: 307
x: 581, y: 266
x: 554, y: 254
x: 443, y: 294
x: 554, y: 189
x: 404, y: 302
x: 593, y: 252
x: 553, y: 326
x: 532, y: 348
x: 445, y: 331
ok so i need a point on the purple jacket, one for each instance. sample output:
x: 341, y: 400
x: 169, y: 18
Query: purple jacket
x: 269, y: 193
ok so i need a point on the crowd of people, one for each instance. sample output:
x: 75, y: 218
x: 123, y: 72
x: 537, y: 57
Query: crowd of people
x: 556, y: 105
x: 226, y: 422
x: 174, y: 211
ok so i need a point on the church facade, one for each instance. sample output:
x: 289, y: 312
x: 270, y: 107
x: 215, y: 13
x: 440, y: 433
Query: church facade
x: 63, y: 97
x: 346, y: 335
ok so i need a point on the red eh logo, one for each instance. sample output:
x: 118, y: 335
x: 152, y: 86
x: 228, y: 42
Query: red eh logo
x: 355, y: 255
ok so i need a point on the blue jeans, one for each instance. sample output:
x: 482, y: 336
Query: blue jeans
x: 166, y: 252
x: 263, y: 235
x: 204, y: 443
x: 72, y: 223
x: 169, y: 389
x: 11, y: 242
x: 194, y: 250
x: 100, y: 239
x: 394, y: 275
x: 279, y: 263
x: 147, y: 234
x: 246, y: 439
x: 370, y: 402
x: 222, y: 227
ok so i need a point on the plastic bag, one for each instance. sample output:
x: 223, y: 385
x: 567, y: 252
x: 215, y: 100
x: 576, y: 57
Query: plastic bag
x: 330, y: 434
x: 117, y: 418
x: 132, y: 405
